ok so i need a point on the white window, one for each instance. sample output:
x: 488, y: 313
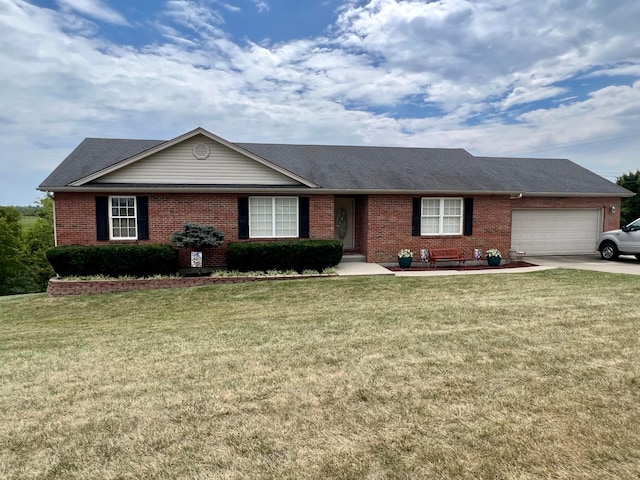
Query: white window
x: 273, y: 217
x: 122, y: 218
x: 441, y: 216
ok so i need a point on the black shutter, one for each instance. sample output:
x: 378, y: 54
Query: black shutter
x: 468, y: 216
x: 143, y: 217
x: 102, y: 218
x: 303, y: 217
x: 415, y: 217
x: 243, y: 217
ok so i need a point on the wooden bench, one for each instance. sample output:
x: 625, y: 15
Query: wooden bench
x: 446, y: 254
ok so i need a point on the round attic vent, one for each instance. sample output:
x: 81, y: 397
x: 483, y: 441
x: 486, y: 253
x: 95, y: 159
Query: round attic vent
x: 201, y: 151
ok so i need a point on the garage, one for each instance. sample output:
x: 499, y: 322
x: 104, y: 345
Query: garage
x: 555, y: 231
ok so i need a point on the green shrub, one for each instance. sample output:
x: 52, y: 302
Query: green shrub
x: 298, y: 255
x: 114, y: 260
x: 197, y: 236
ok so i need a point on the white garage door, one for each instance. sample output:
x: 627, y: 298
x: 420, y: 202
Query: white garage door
x: 555, y: 231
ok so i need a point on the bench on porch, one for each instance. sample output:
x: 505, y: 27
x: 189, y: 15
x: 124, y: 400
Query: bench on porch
x: 446, y: 254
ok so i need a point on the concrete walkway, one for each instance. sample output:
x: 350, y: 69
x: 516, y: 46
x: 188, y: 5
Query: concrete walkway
x: 625, y: 265
x: 361, y: 268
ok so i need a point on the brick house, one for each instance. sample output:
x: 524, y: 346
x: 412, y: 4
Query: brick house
x: 376, y: 200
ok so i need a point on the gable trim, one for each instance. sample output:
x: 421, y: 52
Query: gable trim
x: 170, y: 143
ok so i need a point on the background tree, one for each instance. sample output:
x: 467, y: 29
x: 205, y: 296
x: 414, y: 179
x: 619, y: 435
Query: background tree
x: 37, y: 240
x: 23, y: 264
x: 13, y: 275
x: 630, y: 206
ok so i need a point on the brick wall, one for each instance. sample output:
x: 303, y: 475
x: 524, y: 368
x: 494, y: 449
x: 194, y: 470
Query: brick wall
x: 387, y: 223
x: 59, y: 288
x: 321, y: 221
x: 361, y: 225
x: 76, y: 219
x: 383, y: 222
x: 389, y: 227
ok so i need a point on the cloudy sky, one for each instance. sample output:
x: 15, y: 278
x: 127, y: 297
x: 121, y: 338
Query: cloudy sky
x: 550, y: 78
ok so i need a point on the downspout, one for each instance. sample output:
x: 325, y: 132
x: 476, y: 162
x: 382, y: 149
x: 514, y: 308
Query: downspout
x: 512, y: 253
x: 55, y: 232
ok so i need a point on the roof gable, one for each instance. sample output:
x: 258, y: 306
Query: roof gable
x: 98, y: 160
x: 198, y: 160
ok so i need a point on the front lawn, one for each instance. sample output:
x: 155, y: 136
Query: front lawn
x: 532, y: 375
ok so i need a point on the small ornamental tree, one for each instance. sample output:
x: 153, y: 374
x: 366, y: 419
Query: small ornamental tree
x: 197, y: 236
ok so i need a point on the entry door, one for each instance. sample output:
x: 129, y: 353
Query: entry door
x: 344, y: 221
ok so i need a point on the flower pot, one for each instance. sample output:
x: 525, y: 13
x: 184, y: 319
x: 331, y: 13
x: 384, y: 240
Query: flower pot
x: 494, y: 261
x: 404, y: 262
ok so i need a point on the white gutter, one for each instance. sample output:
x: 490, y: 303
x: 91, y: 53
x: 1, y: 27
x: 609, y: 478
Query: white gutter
x: 97, y: 188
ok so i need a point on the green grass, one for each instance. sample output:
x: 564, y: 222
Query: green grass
x: 519, y: 376
x: 27, y: 221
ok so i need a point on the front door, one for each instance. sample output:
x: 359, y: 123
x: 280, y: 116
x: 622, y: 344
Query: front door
x: 344, y: 222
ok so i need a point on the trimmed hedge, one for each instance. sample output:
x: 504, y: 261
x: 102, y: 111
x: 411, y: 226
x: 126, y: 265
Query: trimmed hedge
x: 114, y: 260
x: 296, y: 255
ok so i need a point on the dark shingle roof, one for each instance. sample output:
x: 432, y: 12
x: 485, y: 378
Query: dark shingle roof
x: 548, y: 175
x: 372, y: 168
x: 93, y: 155
x: 354, y: 168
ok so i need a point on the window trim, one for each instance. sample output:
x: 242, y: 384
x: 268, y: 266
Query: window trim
x: 273, y: 217
x: 110, y: 216
x: 441, y: 217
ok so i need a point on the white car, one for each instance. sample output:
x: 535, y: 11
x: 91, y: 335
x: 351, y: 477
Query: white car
x: 625, y: 241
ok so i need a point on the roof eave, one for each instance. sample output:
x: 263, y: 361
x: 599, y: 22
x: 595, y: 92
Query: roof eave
x: 109, y: 188
x: 106, y: 188
x: 579, y: 194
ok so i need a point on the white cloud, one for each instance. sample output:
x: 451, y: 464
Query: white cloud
x: 231, y: 8
x: 194, y: 15
x: 261, y: 5
x: 620, y: 70
x: 479, y: 65
x: 95, y: 9
x: 520, y: 95
x: 479, y: 45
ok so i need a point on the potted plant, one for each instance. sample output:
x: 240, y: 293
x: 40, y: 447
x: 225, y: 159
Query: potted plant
x: 494, y: 257
x: 405, y: 256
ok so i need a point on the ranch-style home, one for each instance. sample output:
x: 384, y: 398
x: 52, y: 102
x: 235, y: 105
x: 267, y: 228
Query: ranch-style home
x: 376, y: 200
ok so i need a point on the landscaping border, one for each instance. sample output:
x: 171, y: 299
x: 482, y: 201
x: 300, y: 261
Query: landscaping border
x: 61, y: 287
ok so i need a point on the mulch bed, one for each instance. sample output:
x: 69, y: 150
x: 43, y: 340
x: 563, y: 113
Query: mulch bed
x: 421, y: 267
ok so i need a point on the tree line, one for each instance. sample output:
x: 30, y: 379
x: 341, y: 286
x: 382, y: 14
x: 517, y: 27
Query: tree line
x: 630, y: 206
x: 23, y: 263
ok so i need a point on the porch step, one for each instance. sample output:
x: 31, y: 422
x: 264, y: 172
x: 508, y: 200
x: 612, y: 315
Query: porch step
x: 353, y: 257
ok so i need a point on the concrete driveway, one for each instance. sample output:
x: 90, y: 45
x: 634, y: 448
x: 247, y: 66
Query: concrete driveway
x: 624, y: 264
